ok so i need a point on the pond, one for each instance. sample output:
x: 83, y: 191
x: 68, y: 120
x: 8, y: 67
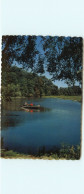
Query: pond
x: 57, y: 123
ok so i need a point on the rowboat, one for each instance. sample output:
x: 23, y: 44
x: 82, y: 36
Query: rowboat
x: 31, y: 107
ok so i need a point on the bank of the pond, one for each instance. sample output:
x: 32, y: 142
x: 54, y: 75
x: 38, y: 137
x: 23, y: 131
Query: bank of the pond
x: 68, y: 153
x: 74, y: 98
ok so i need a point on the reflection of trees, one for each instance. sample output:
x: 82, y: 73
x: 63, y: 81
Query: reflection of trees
x: 16, y: 104
x: 10, y: 121
x: 13, y: 105
x: 13, y: 115
x: 10, y: 118
x: 2, y: 143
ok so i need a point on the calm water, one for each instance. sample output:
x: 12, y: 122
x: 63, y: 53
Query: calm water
x: 59, y: 121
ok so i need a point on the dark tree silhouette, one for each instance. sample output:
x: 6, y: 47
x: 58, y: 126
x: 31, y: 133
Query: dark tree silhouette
x: 40, y: 65
x: 61, y: 56
x: 64, y: 58
x: 21, y: 49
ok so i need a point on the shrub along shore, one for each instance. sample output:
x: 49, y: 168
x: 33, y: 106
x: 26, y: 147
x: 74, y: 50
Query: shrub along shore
x: 65, y: 152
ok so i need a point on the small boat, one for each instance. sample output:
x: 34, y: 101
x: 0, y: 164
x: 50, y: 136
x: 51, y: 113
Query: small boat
x: 29, y: 106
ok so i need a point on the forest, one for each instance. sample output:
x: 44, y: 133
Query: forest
x: 20, y: 83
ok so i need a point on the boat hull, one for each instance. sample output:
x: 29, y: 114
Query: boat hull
x: 31, y: 107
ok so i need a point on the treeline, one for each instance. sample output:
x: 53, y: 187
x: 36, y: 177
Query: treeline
x: 70, y: 91
x: 20, y: 83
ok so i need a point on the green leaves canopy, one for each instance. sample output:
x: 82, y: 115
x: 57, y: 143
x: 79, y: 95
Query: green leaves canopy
x: 60, y: 56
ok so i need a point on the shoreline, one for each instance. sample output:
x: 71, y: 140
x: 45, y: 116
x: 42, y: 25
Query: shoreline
x: 73, y: 98
x: 64, y: 153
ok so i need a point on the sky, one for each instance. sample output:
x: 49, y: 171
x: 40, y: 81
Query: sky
x: 57, y: 83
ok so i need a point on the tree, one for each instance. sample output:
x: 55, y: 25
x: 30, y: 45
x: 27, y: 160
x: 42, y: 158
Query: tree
x: 19, y: 48
x: 40, y: 65
x: 64, y: 58
x: 61, y: 56
x: 22, y: 83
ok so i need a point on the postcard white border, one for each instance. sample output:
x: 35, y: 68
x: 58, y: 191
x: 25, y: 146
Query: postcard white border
x: 43, y: 17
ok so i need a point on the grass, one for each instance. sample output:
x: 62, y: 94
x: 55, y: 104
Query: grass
x: 65, y: 152
x: 18, y: 97
x: 75, y: 98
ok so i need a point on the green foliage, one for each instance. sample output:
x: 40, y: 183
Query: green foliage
x: 40, y: 67
x: 61, y: 56
x: 65, y: 152
x: 20, y: 83
x: 70, y: 91
x: 64, y: 58
x: 17, y: 83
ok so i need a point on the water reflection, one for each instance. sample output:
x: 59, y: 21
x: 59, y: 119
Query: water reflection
x: 9, y: 121
x: 13, y: 105
x: 41, y: 109
x: 28, y: 131
x: 13, y: 114
x: 16, y: 104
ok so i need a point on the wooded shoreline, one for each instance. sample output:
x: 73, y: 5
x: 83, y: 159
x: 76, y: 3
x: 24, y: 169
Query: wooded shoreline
x: 19, y: 83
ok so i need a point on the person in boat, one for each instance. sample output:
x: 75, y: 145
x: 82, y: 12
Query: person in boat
x: 26, y: 104
x: 31, y: 104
